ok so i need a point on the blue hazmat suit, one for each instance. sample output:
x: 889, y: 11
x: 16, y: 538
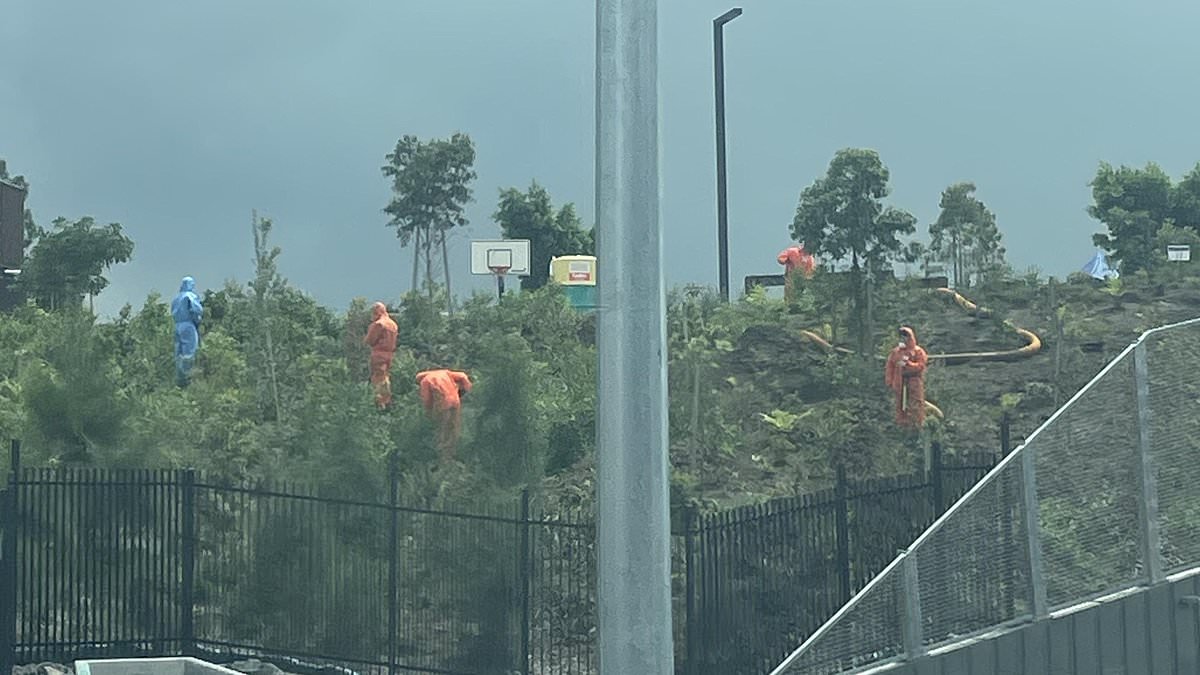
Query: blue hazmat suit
x: 187, y: 311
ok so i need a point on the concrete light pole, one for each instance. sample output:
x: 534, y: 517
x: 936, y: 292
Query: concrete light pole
x: 632, y: 491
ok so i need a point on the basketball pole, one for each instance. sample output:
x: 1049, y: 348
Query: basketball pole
x: 499, y: 274
x: 632, y: 494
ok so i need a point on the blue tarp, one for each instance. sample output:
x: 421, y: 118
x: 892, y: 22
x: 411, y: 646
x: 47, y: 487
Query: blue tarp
x: 1098, y: 267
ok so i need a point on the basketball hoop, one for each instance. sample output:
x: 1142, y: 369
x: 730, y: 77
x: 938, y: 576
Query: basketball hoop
x: 499, y: 271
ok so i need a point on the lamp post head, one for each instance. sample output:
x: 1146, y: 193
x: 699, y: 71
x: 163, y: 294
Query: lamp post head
x: 728, y: 16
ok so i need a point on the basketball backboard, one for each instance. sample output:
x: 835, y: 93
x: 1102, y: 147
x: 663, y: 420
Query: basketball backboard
x: 490, y: 254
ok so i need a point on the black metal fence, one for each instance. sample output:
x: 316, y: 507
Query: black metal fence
x: 762, y: 578
x: 123, y: 562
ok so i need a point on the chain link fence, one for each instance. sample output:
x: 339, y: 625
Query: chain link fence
x: 1102, y: 497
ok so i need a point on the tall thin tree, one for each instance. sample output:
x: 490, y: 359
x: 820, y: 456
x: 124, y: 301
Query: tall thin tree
x: 265, y: 286
x: 431, y: 186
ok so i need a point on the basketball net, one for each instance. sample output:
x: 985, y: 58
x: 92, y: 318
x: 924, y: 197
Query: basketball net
x: 500, y: 271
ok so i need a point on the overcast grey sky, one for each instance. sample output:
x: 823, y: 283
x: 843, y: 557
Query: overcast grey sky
x: 176, y: 119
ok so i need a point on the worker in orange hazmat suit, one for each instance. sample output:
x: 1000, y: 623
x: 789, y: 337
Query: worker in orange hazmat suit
x: 381, y: 338
x: 441, y: 392
x: 905, y: 375
x: 795, y: 260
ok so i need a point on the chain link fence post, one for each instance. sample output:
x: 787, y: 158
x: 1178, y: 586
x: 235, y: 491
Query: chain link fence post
x: 1151, y: 545
x: 1033, y: 534
x: 937, y: 478
x: 910, y: 608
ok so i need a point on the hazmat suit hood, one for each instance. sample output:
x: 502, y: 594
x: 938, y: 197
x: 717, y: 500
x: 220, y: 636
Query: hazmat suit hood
x: 377, y: 310
x: 910, y: 334
x: 186, y: 307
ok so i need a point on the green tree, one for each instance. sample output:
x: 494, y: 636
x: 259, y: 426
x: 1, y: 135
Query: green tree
x: 697, y: 344
x: 842, y: 215
x: 267, y: 287
x: 430, y: 190
x: 1133, y: 204
x: 1170, y: 234
x: 71, y: 392
x: 913, y: 252
x: 510, y: 438
x: 531, y: 215
x: 965, y: 234
x: 68, y: 262
x: 1185, y: 200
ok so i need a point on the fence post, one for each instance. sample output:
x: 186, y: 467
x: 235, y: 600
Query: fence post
x: 526, y: 573
x: 692, y: 635
x: 393, y: 558
x: 8, y: 564
x: 910, y: 607
x: 188, y: 592
x: 8, y: 591
x: 937, y: 477
x: 841, y: 492
x: 1033, y: 533
x: 1006, y: 516
x: 1006, y: 487
x: 1148, y: 504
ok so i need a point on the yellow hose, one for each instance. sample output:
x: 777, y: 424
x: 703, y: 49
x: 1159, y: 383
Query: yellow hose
x: 1033, y: 344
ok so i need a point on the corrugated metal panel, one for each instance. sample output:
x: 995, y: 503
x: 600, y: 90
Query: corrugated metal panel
x: 1151, y: 632
x: 1187, y: 627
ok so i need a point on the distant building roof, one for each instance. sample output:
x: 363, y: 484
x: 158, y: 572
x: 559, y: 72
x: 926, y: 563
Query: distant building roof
x: 15, y: 186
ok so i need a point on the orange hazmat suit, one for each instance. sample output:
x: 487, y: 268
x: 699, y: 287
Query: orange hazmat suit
x: 795, y: 260
x: 905, y: 375
x: 381, y: 338
x: 441, y: 392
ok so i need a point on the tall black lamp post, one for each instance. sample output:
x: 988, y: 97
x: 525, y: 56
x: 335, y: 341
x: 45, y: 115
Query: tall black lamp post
x: 722, y: 197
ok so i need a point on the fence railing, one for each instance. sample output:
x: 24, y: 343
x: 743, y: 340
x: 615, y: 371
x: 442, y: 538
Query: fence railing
x: 124, y: 562
x: 764, y: 577
x: 1102, y: 497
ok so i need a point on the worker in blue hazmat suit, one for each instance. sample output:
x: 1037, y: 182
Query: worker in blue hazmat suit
x: 187, y: 311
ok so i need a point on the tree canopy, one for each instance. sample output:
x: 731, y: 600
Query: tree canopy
x: 1134, y: 204
x: 965, y: 235
x: 68, y: 262
x: 431, y: 186
x: 842, y: 215
x: 531, y: 215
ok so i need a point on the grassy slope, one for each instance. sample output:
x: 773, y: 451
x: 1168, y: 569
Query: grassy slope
x: 787, y: 373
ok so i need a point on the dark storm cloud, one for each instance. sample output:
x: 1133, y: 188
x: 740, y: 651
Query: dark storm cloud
x: 177, y: 119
